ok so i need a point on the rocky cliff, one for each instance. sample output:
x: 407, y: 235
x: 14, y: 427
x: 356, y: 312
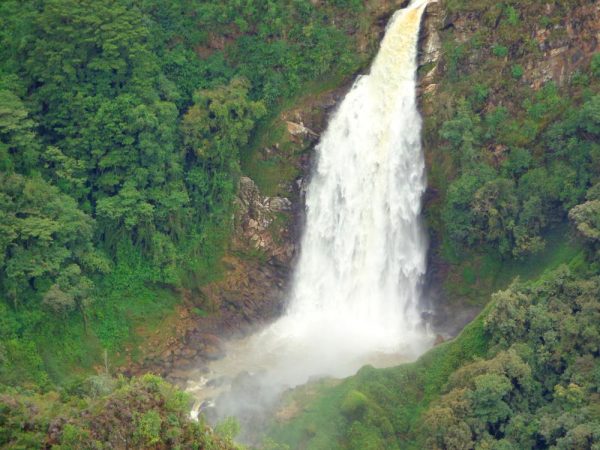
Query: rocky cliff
x: 460, y: 44
x: 492, y: 55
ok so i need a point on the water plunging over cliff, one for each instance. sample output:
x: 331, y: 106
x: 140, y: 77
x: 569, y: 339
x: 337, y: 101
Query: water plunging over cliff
x: 363, y: 253
x: 355, y: 292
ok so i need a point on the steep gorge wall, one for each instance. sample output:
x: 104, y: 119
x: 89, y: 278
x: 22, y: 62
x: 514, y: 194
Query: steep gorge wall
x: 512, y: 50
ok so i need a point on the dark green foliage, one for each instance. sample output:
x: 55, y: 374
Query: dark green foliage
x: 539, y: 386
x: 122, y: 125
x: 586, y: 218
x: 214, y: 129
x: 510, y: 208
x: 492, y: 108
x: 458, y: 214
x: 595, y: 65
x: 463, y: 133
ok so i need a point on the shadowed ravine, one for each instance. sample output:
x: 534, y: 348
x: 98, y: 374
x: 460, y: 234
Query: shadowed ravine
x: 355, y: 294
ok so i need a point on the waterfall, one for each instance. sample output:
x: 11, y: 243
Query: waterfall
x: 363, y: 253
x: 356, y: 286
x: 355, y: 291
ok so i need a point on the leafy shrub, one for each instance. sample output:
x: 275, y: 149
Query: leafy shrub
x: 517, y: 71
x: 500, y: 51
x: 595, y: 65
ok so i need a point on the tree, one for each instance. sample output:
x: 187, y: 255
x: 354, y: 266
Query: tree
x: 458, y: 216
x: 495, y: 207
x: 214, y: 129
x: 463, y: 133
x: 46, y: 240
x: 586, y: 218
x: 19, y: 149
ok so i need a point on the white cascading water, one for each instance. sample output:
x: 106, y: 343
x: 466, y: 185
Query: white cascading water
x: 355, y: 291
x: 363, y: 253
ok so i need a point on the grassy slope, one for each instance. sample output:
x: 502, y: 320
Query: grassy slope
x: 390, y: 404
x: 486, y: 273
x: 127, y: 309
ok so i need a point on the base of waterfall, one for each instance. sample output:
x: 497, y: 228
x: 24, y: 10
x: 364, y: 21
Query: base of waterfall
x: 249, y: 381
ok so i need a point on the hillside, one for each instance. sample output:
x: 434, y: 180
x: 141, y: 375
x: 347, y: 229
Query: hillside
x: 154, y: 158
x: 126, y: 129
x: 510, y: 102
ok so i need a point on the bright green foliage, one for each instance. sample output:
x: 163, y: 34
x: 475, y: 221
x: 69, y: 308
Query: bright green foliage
x: 517, y: 71
x: 19, y: 149
x: 500, y: 51
x: 214, y: 129
x: 140, y: 413
x: 586, y: 218
x: 46, y: 242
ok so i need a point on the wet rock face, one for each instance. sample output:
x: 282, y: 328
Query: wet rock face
x: 554, y: 51
x: 566, y: 47
x: 430, y: 43
x: 430, y: 46
x: 255, y: 218
x: 250, y: 293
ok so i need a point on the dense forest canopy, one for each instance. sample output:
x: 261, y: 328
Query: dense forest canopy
x: 94, y: 96
x: 122, y: 124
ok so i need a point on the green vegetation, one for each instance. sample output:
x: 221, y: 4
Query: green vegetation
x: 103, y: 412
x: 379, y: 408
x: 513, y: 153
x: 507, y: 205
x: 515, y: 180
x: 477, y: 275
x: 122, y: 129
x: 538, y: 386
x: 524, y: 374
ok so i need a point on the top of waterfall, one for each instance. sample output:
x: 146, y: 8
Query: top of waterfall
x: 414, y: 4
x: 419, y: 3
